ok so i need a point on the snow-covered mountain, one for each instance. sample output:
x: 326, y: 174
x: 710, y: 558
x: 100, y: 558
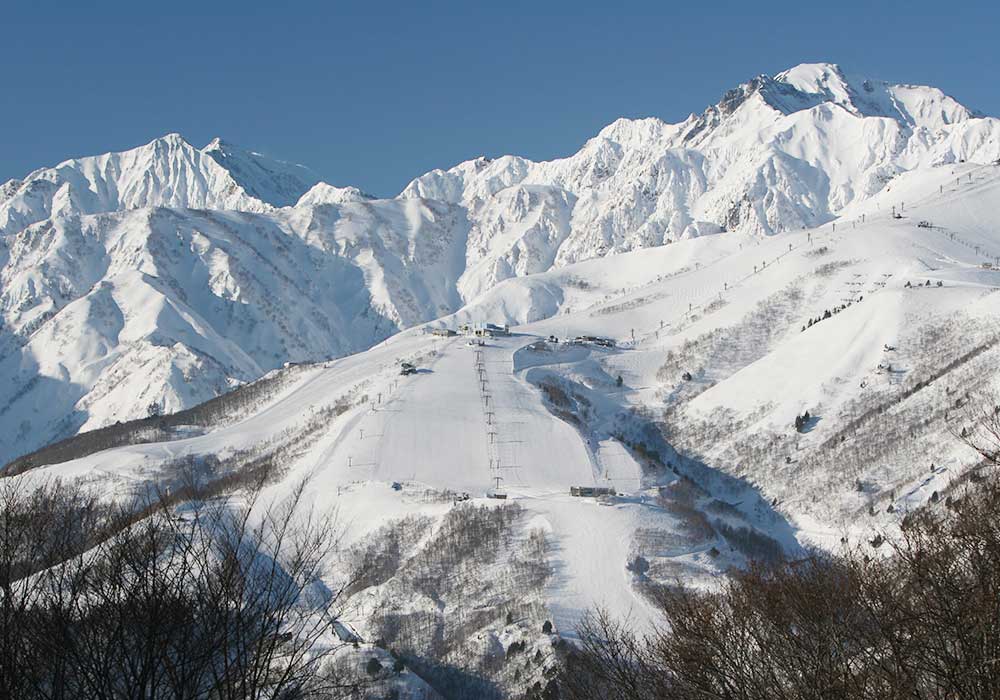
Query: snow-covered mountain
x: 109, y: 316
x: 765, y: 394
x: 794, y: 370
x: 160, y: 276
x: 167, y: 172
x: 775, y: 154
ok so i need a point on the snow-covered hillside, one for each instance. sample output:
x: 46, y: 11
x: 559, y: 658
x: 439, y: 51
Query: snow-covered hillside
x: 155, y: 278
x: 882, y: 325
x: 880, y: 328
x: 112, y: 316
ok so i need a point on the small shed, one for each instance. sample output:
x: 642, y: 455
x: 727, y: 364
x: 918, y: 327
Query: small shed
x: 592, y: 491
x: 490, y: 330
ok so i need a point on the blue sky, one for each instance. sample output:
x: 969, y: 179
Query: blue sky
x: 373, y: 94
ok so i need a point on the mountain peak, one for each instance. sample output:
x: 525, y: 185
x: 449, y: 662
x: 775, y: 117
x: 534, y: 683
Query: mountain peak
x: 809, y: 85
x: 226, y: 148
x: 173, y: 139
x: 168, y: 171
x: 634, y: 131
x: 810, y: 77
x: 221, y: 145
x: 273, y: 181
x: 324, y: 193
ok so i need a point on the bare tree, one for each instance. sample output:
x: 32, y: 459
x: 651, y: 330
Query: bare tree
x: 193, y: 599
x: 981, y: 428
x: 922, y: 622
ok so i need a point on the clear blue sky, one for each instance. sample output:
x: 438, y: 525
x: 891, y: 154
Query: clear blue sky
x: 373, y: 94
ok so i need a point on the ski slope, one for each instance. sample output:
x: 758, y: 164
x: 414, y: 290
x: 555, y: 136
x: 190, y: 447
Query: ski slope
x: 435, y: 429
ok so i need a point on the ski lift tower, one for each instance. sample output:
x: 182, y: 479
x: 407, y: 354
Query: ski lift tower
x: 496, y: 492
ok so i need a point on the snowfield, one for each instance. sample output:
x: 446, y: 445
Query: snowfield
x: 545, y: 416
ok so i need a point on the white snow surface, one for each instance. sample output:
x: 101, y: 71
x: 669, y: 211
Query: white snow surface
x: 728, y: 309
x: 710, y: 249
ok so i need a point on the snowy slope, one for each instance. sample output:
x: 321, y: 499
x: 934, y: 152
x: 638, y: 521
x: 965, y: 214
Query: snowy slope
x: 721, y: 342
x: 268, y: 180
x: 432, y: 431
x: 748, y: 319
x: 205, y: 267
x: 109, y: 316
x: 745, y: 327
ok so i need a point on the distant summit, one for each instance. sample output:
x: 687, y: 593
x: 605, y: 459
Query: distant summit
x: 166, y: 172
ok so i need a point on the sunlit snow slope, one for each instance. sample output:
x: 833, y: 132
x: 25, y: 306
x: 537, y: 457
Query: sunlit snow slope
x: 155, y: 278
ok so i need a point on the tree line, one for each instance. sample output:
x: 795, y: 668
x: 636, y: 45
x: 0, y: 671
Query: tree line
x: 155, y: 427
